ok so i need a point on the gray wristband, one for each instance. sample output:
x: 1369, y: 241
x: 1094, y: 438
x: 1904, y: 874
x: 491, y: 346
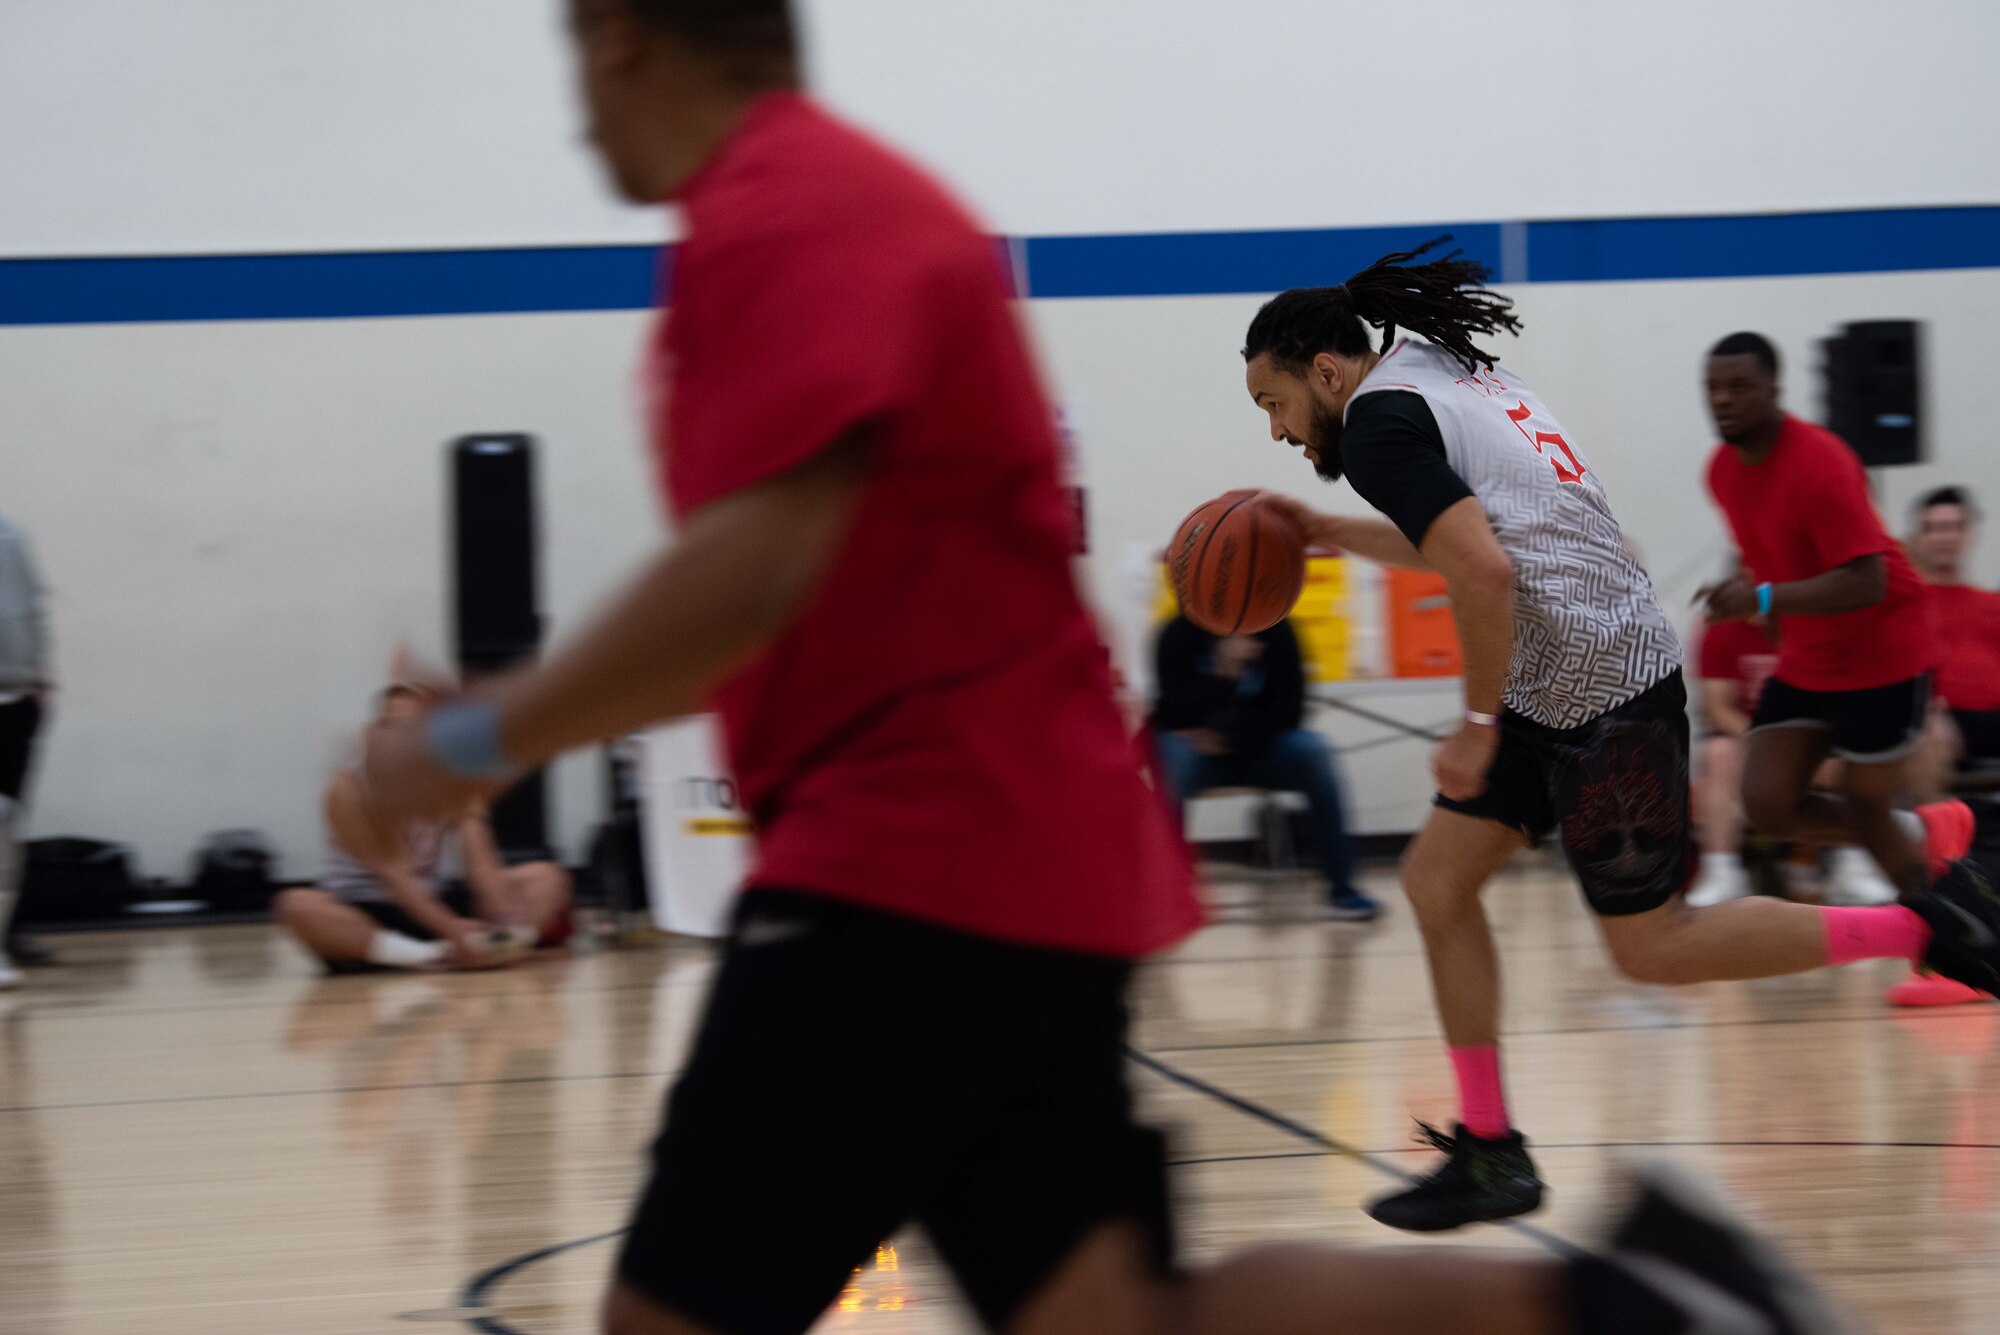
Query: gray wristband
x: 464, y: 737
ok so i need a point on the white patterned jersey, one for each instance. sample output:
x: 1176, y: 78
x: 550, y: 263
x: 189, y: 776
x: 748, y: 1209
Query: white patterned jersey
x: 1589, y: 633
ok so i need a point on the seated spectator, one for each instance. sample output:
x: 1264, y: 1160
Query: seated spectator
x: 1965, y: 730
x: 1230, y: 713
x: 1735, y: 660
x: 382, y: 907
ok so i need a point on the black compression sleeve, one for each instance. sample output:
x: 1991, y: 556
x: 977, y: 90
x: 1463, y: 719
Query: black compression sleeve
x: 1393, y: 453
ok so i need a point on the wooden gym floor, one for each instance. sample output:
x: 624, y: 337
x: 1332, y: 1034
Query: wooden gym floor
x: 198, y: 1134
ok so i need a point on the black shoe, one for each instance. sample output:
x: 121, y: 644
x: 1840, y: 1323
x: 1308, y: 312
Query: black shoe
x: 1482, y: 1180
x: 1352, y: 907
x: 1964, y: 916
x: 1679, y: 1249
x: 30, y: 953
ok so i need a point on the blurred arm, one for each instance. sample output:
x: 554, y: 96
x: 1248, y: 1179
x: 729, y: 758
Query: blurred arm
x: 1861, y: 583
x: 390, y: 862
x: 736, y: 578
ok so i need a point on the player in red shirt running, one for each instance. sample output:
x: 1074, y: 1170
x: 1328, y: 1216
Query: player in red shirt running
x: 871, y: 582
x: 1855, y: 644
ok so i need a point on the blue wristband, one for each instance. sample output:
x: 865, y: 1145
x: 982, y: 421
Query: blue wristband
x: 464, y: 737
x: 1763, y: 600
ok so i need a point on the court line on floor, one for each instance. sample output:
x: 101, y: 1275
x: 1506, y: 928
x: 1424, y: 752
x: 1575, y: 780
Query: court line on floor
x: 1549, y: 1146
x: 1557, y: 1244
x: 75, y: 1009
x: 477, y: 1290
x: 247, y: 1095
x: 1941, y: 1013
x: 42, y: 1011
x: 1508, y: 1035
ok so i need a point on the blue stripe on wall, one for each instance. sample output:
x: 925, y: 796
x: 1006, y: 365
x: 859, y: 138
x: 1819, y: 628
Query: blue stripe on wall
x: 1766, y: 246
x: 323, y: 287
x: 1194, y: 263
x: 597, y: 278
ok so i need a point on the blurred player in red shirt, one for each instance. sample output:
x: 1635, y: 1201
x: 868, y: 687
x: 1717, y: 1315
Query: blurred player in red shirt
x: 1856, y: 650
x: 1966, y: 728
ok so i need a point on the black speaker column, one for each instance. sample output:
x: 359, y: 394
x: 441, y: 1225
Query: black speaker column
x: 496, y: 610
x: 1873, y: 398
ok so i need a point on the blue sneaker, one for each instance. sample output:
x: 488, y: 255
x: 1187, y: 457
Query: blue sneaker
x: 1353, y: 907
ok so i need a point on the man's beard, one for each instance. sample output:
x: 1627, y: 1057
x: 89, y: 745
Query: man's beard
x: 1326, y: 429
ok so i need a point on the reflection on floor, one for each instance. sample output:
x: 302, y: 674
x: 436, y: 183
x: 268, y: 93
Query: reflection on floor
x: 197, y: 1134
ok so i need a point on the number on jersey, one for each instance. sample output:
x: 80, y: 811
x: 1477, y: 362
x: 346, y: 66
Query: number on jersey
x: 1545, y: 441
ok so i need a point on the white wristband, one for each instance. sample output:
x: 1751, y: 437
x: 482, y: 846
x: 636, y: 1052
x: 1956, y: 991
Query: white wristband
x: 1483, y: 720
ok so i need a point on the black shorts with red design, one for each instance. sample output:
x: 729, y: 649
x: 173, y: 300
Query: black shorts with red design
x: 1617, y: 789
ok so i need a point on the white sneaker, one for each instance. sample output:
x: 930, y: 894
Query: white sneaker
x: 9, y: 975
x: 1854, y: 881
x: 1720, y: 882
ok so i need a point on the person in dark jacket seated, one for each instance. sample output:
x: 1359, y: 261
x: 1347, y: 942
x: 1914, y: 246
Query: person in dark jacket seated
x: 1230, y: 713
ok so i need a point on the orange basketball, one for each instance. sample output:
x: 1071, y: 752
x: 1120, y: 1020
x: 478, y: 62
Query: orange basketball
x: 1237, y: 565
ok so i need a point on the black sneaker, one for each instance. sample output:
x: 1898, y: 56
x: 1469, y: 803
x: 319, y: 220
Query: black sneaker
x: 1680, y: 1243
x: 1964, y: 916
x: 1352, y: 907
x: 1481, y: 1180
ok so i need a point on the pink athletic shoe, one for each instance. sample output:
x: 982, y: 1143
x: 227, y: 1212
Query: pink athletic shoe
x: 1928, y: 989
x: 1948, y: 830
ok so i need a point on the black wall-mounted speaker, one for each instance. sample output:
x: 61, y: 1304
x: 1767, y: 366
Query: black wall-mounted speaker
x: 1873, y: 389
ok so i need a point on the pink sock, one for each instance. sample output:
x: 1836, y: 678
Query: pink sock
x: 1891, y: 932
x: 1482, y: 1107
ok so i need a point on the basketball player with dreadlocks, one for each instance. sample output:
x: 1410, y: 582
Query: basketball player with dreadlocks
x: 1575, y: 711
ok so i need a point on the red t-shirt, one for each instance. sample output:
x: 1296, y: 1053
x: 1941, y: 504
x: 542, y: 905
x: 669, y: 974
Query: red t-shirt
x: 936, y: 734
x: 1743, y: 652
x: 1805, y: 511
x: 1968, y: 630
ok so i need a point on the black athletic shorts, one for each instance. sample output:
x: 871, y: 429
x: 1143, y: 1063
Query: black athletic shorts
x: 391, y: 916
x: 1980, y: 729
x: 856, y: 1071
x: 1871, y: 727
x: 1617, y: 788
x: 20, y: 720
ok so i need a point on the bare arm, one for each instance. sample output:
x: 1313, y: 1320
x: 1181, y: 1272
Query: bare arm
x: 1861, y: 583
x: 484, y: 869
x: 388, y: 860
x: 1461, y: 547
x: 1376, y: 539
x: 734, y: 580
x: 1480, y: 579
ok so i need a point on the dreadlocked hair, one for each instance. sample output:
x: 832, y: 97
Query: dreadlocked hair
x: 1444, y: 300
